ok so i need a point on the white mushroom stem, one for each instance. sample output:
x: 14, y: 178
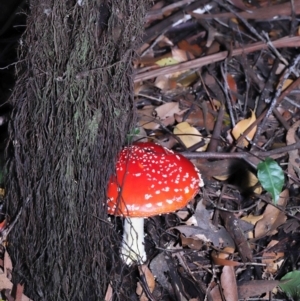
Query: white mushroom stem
x: 133, y: 249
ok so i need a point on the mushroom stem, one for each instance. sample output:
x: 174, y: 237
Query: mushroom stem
x: 133, y: 249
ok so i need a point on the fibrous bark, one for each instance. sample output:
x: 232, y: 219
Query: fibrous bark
x: 73, y: 105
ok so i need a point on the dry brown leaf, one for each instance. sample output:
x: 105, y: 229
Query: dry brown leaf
x: 228, y: 283
x: 150, y: 281
x: 204, y: 229
x: 220, y: 257
x: 179, y: 55
x: 255, y: 287
x: 187, y: 78
x: 242, y: 126
x: 272, y: 217
x: 5, y: 283
x: 293, y: 165
x: 190, y: 135
x: 147, y: 119
x: 232, y: 86
x: 215, y: 294
x: 5, y: 280
x: 166, y: 112
x: 192, y: 243
x: 272, y: 259
x: 164, y: 41
x: 252, y: 219
x: 166, y: 61
x: 109, y: 294
x: 19, y: 292
x: 167, y: 142
x: 165, y: 83
x: 196, y: 118
x: 194, y: 49
x: 286, y: 84
x: 7, y: 265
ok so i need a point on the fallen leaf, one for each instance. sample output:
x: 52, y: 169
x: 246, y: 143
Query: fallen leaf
x: 272, y: 217
x: 251, y: 288
x: 196, y: 118
x: 179, y: 55
x: 221, y: 257
x: 109, y: 294
x: 190, y: 136
x: 228, y: 283
x: 204, y: 229
x: 273, y: 260
x: 166, y: 62
x: 165, y: 83
x: 232, y: 86
x: 166, y: 112
x: 242, y: 126
x: 252, y: 219
x: 146, y: 275
x: 192, y: 243
x: 194, y: 49
x: 234, y: 227
x: 5, y: 283
x: 215, y: 294
x: 286, y: 84
x: 187, y: 78
x: 160, y: 269
x: 147, y: 120
x: 293, y: 164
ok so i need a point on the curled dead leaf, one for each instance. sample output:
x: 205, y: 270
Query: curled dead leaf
x: 146, y: 275
x: 222, y: 257
x: 190, y: 136
x: 242, y: 126
x: 228, y: 283
x: 272, y: 217
x: 273, y: 260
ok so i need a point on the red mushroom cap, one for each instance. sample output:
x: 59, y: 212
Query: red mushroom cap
x: 151, y: 180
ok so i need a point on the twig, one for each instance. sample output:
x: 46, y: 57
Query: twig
x: 241, y: 155
x: 274, y: 102
x: 226, y: 92
x: 213, y: 144
x: 145, y: 74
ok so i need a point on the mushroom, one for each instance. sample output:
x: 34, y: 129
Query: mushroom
x: 149, y: 180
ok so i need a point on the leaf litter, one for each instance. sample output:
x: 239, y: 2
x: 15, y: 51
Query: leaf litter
x: 204, y: 68
x: 226, y: 233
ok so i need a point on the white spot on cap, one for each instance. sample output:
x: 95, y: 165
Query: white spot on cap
x: 159, y: 204
x: 132, y: 207
x: 166, y: 189
x: 169, y: 201
x: 186, y: 190
x: 157, y: 192
x: 137, y: 174
x: 148, y: 196
x: 149, y: 205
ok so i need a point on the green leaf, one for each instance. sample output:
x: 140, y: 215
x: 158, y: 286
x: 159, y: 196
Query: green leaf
x: 271, y: 177
x: 134, y: 132
x: 290, y: 285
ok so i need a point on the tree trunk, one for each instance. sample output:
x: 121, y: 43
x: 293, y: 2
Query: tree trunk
x: 73, y: 105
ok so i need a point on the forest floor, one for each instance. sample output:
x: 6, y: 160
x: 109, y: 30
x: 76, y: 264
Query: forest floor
x: 219, y: 82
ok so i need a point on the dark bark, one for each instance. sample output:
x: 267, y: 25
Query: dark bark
x: 73, y: 105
